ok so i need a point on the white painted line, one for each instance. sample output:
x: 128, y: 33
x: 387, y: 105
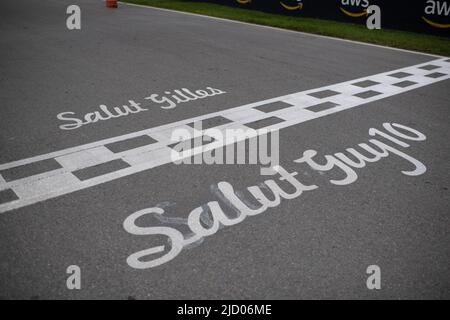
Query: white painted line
x: 36, y: 177
x: 2, y: 183
x: 246, y: 114
x: 85, y: 158
x: 295, y: 113
x: 155, y: 157
x: 165, y: 136
x: 283, y: 30
x: 61, y: 181
x: 42, y: 187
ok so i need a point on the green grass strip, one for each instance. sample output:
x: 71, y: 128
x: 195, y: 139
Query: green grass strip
x: 386, y: 37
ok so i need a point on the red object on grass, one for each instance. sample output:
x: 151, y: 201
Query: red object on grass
x: 111, y: 3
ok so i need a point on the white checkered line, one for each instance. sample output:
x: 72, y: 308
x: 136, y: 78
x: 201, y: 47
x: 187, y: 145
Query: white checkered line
x: 295, y: 109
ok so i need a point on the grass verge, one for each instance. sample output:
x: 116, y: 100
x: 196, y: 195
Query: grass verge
x: 391, y: 38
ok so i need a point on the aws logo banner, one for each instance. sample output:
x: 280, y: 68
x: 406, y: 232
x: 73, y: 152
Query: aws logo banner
x: 436, y: 14
x: 354, y: 8
x: 428, y: 16
x: 288, y: 7
x: 292, y: 5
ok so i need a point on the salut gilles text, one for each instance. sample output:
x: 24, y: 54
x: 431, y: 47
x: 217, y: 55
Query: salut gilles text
x: 167, y: 100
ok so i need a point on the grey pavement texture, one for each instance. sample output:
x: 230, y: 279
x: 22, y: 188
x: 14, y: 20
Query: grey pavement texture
x: 313, y: 247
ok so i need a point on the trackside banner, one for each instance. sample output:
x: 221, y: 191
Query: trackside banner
x: 425, y: 16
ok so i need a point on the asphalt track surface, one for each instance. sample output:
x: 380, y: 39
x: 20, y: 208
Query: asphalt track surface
x: 315, y: 246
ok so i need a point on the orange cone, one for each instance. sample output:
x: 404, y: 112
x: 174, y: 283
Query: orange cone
x: 111, y: 3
